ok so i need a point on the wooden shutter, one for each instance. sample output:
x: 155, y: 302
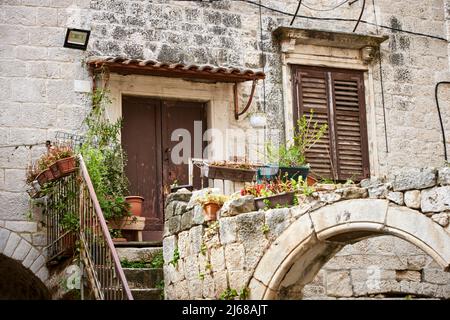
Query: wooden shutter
x: 337, y: 98
x: 350, y: 125
x: 313, y: 94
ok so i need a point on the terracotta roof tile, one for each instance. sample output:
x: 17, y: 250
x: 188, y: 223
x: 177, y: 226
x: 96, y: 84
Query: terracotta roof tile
x: 123, y: 65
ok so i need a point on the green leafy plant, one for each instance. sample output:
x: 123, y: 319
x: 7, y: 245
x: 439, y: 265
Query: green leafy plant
x: 105, y: 158
x: 293, y: 153
x: 175, y: 258
x: 265, y: 229
x: 70, y: 222
x: 203, y: 248
x: 115, y: 233
x: 244, y: 294
x: 267, y: 189
x: 228, y: 294
x: 61, y: 151
x: 209, y: 197
x: 157, y: 261
x: 160, y: 286
x: 134, y: 264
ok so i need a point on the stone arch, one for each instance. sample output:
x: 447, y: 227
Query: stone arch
x: 308, y: 243
x: 24, y: 255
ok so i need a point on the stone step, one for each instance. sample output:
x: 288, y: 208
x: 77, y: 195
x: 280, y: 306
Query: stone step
x: 138, y: 244
x: 138, y: 254
x: 147, y: 294
x: 143, y: 278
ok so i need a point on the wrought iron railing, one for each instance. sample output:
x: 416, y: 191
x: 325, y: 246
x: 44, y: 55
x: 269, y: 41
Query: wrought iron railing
x: 99, y: 255
x: 62, y: 194
x: 101, y: 263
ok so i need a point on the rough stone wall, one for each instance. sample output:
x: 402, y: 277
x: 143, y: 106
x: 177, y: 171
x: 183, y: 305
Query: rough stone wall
x: 203, y: 260
x: 38, y: 96
x: 384, y: 267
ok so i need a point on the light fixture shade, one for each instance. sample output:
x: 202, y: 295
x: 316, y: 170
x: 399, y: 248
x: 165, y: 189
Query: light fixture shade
x: 77, y: 38
x: 258, y: 120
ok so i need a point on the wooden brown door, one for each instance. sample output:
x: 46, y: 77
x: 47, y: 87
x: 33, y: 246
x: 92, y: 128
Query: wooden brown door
x: 180, y: 118
x: 149, y: 126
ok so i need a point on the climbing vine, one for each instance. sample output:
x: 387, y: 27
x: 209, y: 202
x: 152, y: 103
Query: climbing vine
x: 105, y: 158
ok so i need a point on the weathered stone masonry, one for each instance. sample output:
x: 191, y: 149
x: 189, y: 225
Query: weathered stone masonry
x: 243, y: 248
x: 43, y: 84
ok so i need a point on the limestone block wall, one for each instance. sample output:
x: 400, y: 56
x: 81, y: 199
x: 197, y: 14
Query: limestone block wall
x: 40, y: 94
x: 204, y: 260
x: 384, y: 267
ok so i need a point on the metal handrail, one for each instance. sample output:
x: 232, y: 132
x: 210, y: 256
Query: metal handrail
x: 100, y: 257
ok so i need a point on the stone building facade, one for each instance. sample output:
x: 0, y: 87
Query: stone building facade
x: 44, y: 87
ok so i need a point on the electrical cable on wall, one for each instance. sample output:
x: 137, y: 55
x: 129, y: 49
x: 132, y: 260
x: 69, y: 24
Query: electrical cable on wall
x: 360, y: 15
x: 296, y: 11
x: 436, y: 88
x: 345, y: 20
x: 323, y: 10
x: 383, y: 103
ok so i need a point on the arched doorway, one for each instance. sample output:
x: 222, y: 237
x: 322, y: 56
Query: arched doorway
x: 308, y: 243
x: 19, y: 283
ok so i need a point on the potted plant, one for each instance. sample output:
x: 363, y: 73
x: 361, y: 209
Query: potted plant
x: 211, y: 203
x: 135, y: 203
x: 65, y: 160
x: 272, y: 194
x: 45, y: 174
x: 291, y: 157
x: 229, y: 170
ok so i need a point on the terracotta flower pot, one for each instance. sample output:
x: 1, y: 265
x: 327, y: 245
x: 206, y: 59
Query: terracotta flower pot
x: 42, y: 178
x: 55, y: 170
x: 49, y: 175
x: 135, y: 203
x: 66, y: 165
x: 310, y: 180
x: 210, y: 211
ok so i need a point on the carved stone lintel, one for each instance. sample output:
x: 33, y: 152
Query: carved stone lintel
x: 288, y: 45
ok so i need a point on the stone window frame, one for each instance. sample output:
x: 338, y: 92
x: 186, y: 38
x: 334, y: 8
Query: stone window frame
x: 331, y: 50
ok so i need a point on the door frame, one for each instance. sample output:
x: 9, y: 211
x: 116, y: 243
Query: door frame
x: 162, y: 143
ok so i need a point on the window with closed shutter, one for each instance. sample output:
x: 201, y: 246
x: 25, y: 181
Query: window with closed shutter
x: 335, y: 97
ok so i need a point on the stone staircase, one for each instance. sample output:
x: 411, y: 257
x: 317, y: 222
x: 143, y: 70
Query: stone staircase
x: 146, y: 283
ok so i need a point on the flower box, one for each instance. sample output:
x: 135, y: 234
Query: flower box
x: 228, y: 173
x: 66, y: 165
x: 281, y: 199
